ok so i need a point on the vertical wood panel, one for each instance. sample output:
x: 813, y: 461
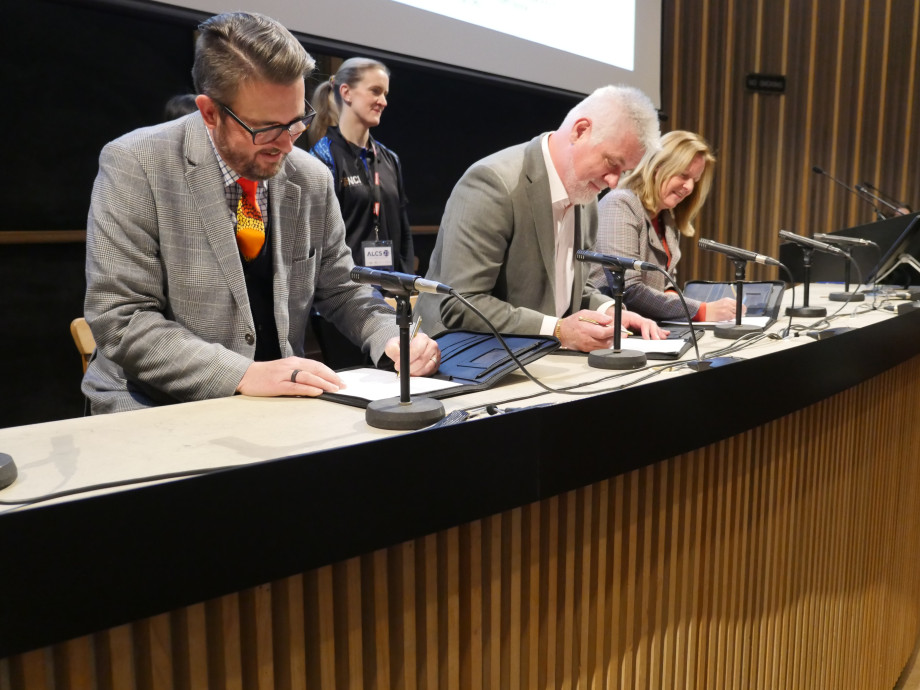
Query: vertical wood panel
x: 850, y: 107
x: 784, y: 557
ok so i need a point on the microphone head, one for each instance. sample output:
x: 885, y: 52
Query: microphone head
x: 818, y: 170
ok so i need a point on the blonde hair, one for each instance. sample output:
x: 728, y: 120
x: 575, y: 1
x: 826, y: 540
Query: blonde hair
x: 676, y: 153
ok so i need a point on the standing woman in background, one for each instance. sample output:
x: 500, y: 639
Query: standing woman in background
x: 646, y: 215
x: 368, y: 176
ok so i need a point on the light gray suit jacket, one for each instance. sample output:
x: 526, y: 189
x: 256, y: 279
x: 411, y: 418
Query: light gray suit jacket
x: 166, y: 297
x: 496, y: 247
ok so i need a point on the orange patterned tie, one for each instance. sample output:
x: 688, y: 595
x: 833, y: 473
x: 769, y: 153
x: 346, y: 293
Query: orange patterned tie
x: 250, y: 230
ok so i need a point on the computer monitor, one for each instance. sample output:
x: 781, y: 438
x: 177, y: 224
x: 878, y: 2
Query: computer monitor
x: 903, y: 251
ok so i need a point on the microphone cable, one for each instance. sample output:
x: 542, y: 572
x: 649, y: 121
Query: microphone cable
x: 463, y: 414
x: 567, y: 390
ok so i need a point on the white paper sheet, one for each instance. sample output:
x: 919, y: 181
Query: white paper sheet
x: 376, y: 384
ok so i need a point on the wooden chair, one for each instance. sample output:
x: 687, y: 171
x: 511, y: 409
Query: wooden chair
x: 83, y: 338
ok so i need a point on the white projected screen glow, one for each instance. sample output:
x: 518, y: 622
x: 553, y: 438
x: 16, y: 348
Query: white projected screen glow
x: 572, y: 45
x: 608, y: 37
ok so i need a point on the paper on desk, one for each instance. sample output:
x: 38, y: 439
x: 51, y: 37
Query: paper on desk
x: 759, y: 321
x: 376, y: 384
x: 667, y: 347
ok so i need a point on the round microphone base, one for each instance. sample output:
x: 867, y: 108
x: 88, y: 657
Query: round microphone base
x: 390, y: 413
x: 611, y: 359
x: 8, y: 471
x: 735, y: 331
x: 846, y: 297
x: 807, y: 312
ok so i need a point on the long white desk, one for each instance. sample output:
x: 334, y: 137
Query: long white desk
x: 313, y: 486
x: 241, y: 430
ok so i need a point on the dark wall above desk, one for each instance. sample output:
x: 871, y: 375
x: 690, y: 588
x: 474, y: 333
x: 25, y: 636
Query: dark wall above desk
x: 83, y: 73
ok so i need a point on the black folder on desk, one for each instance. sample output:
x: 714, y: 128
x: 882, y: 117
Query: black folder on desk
x: 478, y: 360
x: 474, y: 361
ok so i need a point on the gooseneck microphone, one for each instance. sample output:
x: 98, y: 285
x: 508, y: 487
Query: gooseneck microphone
x: 843, y: 240
x: 886, y: 204
x: 614, y: 261
x: 822, y: 171
x: 737, y: 254
x: 900, y: 204
x: 851, y: 190
x: 400, y: 283
x: 812, y: 244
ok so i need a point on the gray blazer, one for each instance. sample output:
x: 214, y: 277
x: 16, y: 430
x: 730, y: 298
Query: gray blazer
x: 166, y: 298
x: 496, y: 247
x: 626, y: 230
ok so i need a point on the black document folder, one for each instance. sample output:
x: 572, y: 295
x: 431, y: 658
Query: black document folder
x: 478, y: 360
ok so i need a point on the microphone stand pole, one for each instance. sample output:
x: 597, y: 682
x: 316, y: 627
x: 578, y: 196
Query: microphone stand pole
x: 403, y: 413
x: 616, y: 358
x: 805, y: 310
x: 846, y: 295
x: 737, y: 329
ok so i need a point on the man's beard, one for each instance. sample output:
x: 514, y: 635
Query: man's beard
x: 246, y: 165
x: 582, y: 193
x: 579, y: 192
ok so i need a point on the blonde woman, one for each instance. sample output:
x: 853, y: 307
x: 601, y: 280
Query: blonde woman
x: 645, y: 217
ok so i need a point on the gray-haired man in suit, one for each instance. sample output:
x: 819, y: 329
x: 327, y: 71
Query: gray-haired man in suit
x: 515, y: 219
x: 176, y: 312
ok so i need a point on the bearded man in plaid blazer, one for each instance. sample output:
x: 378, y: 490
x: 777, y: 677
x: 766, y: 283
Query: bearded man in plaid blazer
x: 177, y: 313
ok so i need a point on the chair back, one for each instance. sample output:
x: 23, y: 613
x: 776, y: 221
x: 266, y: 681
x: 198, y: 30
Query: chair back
x: 84, y: 340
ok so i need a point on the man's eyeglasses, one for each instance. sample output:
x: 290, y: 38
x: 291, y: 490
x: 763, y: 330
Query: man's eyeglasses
x: 267, y: 135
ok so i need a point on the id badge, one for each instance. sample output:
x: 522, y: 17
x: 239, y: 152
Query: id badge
x: 378, y: 254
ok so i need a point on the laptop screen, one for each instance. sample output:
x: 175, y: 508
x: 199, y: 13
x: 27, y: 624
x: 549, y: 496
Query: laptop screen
x: 762, y: 299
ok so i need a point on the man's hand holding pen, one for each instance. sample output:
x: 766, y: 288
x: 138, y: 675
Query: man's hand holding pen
x: 424, y: 353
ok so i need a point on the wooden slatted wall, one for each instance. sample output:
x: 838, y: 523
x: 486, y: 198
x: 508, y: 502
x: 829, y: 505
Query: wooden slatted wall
x: 785, y: 557
x: 851, y: 107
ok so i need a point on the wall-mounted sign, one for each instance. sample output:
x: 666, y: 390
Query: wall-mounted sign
x: 766, y: 83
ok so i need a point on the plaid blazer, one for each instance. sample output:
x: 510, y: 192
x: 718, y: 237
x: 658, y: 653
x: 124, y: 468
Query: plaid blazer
x: 166, y: 297
x: 624, y: 229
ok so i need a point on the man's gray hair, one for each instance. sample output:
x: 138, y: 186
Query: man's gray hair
x: 612, y: 107
x: 239, y: 46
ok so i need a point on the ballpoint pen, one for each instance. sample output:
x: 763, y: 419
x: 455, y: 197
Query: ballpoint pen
x: 598, y: 323
x: 415, y: 327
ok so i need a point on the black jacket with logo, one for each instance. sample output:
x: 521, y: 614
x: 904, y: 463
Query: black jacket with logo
x: 351, y: 166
